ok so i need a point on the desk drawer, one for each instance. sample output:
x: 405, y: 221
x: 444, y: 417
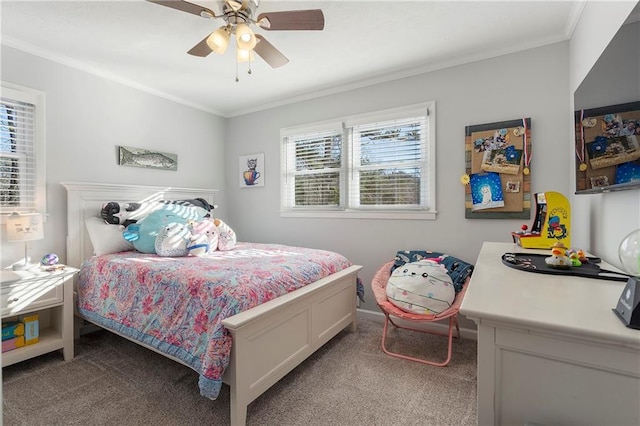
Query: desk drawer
x: 30, y: 296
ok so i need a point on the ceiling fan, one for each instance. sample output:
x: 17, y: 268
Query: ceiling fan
x: 238, y: 17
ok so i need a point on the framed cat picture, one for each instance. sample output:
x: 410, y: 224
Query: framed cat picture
x: 251, y: 169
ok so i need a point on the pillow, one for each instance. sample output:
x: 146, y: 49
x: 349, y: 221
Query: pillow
x: 143, y: 233
x: 458, y: 269
x: 127, y: 213
x: 105, y: 238
x: 172, y: 240
x: 422, y: 287
x: 226, y: 236
x: 204, y: 237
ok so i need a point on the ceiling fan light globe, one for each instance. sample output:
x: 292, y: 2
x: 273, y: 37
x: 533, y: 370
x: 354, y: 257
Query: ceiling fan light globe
x: 245, y: 38
x: 245, y: 55
x: 218, y: 41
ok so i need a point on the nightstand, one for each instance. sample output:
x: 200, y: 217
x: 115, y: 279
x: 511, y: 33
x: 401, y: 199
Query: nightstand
x: 50, y: 294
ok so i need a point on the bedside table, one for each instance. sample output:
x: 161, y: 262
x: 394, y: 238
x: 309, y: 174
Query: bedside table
x: 50, y: 294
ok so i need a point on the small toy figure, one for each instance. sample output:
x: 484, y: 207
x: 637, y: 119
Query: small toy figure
x: 582, y: 256
x: 558, y: 258
x: 575, y: 258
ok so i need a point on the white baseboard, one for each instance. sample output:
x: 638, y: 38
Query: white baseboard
x: 440, y: 326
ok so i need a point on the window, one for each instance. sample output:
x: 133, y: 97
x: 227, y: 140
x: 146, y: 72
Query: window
x: 22, y: 171
x: 379, y: 165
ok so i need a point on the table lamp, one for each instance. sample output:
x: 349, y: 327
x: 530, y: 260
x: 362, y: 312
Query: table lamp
x: 24, y: 228
x: 628, y: 307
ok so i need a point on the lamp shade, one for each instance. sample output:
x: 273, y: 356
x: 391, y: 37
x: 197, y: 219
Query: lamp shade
x: 24, y: 227
x: 245, y: 38
x: 219, y: 40
x: 245, y: 55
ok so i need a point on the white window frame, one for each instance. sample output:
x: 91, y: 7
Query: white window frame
x: 37, y: 98
x: 346, y: 208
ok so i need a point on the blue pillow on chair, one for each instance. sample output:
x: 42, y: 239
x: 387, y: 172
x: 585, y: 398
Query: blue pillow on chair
x: 458, y: 269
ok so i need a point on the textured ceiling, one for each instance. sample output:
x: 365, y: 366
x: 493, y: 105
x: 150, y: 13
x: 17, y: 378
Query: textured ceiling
x: 144, y: 45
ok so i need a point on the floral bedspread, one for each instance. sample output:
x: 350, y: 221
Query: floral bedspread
x: 177, y: 305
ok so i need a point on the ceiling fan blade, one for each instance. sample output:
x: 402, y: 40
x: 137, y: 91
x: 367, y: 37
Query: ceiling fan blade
x: 201, y: 49
x: 312, y: 19
x: 270, y: 54
x: 186, y: 7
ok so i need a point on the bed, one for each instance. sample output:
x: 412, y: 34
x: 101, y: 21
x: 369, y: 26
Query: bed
x: 284, y: 330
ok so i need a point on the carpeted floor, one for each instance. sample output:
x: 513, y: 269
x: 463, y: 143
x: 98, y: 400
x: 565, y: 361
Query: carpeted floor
x: 349, y: 381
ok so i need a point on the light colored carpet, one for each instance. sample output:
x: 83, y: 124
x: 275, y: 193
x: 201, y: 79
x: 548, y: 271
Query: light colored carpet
x: 349, y: 381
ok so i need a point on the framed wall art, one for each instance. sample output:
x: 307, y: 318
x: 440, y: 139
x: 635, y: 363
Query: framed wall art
x: 498, y: 175
x: 251, y: 170
x: 608, y: 148
x: 149, y: 159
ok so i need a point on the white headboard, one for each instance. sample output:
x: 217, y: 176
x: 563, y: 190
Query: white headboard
x: 85, y: 200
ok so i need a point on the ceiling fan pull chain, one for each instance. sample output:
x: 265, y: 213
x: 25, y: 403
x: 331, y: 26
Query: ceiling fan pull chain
x: 237, y: 61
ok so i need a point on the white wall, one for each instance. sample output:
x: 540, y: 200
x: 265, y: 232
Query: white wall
x: 531, y: 83
x: 88, y: 116
x: 604, y: 219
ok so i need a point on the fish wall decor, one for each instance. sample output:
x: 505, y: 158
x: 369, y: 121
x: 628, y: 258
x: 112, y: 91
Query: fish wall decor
x: 138, y: 157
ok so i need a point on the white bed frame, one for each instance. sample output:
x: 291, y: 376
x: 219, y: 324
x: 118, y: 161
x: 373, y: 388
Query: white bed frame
x: 269, y: 340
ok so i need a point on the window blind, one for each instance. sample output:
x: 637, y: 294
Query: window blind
x: 313, y: 165
x: 378, y: 164
x: 388, y: 163
x: 18, y: 172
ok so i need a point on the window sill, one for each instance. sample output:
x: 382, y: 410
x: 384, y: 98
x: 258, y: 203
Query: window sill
x: 359, y: 214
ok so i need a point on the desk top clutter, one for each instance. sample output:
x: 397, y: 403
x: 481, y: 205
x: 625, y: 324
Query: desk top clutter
x: 558, y: 263
x: 565, y: 304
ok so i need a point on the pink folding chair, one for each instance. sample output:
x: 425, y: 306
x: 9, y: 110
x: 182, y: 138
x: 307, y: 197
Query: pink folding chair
x: 379, y: 284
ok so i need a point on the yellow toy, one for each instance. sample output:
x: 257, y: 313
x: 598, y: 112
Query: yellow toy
x: 31, y: 328
x: 551, y: 223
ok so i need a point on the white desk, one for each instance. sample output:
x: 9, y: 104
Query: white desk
x: 550, y: 348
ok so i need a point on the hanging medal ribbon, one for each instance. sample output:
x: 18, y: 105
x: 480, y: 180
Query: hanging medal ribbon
x: 580, y: 152
x: 527, y: 153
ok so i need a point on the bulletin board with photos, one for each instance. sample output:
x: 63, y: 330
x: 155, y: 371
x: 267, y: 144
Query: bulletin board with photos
x: 498, y: 175
x: 607, y: 147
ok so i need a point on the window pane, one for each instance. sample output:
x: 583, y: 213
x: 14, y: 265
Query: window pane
x: 318, y: 153
x: 388, y: 162
x: 17, y: 155
x: 22, y: 162
x: 319, y: 189
x: 390, y: 145
x: 9, y: 182
x: 9, y: 188
x: 390, y: 187
x: 315, y: 170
